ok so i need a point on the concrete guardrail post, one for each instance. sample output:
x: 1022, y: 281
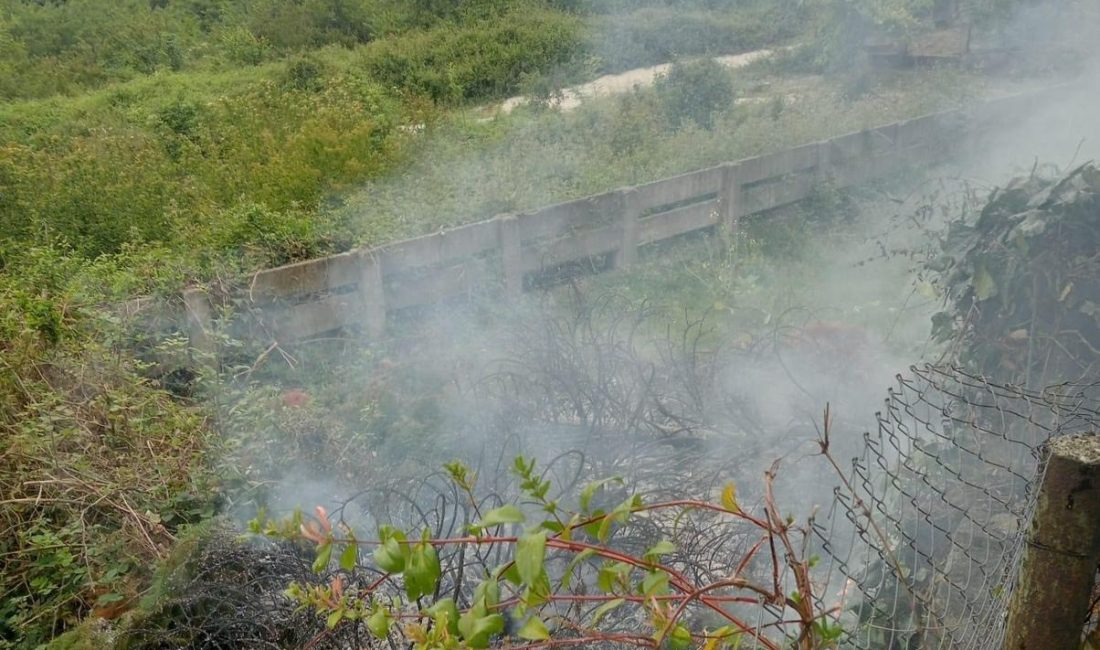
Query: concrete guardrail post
x: 628, y: 248
x: 200, y: 318
x: 511, y: 255
x: 1056, y: 581
x: 372, y: 294
x: 729, y: 203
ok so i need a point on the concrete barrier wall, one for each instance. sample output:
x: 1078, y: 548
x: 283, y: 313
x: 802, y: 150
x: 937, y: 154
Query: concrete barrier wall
x: 361, y: 287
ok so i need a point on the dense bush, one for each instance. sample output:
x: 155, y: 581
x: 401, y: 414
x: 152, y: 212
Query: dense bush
x: 100, y: 467
x: 695, y: 90
x: 844, y: 26
x: 152, y: 168
x: 486, y: 58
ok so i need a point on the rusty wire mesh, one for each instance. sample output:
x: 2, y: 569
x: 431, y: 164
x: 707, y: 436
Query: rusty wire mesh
x: 922, y: 545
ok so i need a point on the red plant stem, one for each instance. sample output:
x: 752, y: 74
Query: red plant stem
x: 721, y: 584
x: 677, y: 579
x: 681, y: 503
x: 640, y: 641
x: 748, y: 557
x: 598, y: 598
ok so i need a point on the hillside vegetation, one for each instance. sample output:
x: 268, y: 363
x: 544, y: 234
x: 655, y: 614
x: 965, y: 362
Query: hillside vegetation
x: 181, y: 122
x: 149, y: 144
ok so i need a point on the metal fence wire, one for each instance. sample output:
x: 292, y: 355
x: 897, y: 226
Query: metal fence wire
x: 921, y: 547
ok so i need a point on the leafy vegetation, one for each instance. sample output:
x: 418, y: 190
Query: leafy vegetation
x: 152, y: 123
x: 148, y: 144
x: 100, y: 467
x: 527, y: 597
x: 1020, y: 277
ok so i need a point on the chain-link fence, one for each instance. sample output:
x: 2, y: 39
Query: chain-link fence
x: 924, y: 539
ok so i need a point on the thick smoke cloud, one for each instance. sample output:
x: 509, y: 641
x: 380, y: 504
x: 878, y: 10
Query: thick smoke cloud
x: 827, y: 353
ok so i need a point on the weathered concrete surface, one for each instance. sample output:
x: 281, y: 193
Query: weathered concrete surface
x: 1049, y: 607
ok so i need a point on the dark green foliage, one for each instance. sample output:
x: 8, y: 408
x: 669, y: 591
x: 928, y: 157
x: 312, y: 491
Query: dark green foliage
x: 1023, y: 281
x: 100, y: 466
x: 305, y: 73
x: 149, y: 144
x: 485, y: 58
x: 304, y: 24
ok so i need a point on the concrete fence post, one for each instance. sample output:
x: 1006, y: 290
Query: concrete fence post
x: 511, y: 255
x: 730, y: 203
x: 628, y: 248
x: 200, y: 319
x: 372, y: 293
x: 1052, y: 597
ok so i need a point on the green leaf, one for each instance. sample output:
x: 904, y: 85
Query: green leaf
x: 663, y: 547
x: 680, y: 639
x: 379, y: 622
x: 444, y: 611
x: 109, y: 598
x: 984, y: 286
x: 488, y: 592
x: 422, y: 571
x: 604, y: 532
x: 593, y: 528
x: 621, y: 514
x: 550, y: 525
x: 534, y: 630
x: 334, y: 618
x: 530, y: 556
x: 567, y: 575
x: 508, y: 514
x: 522, y: 468
x: 605, y: 609
x: 538, y: 593
x: 393, y: 553
x: 350, y: 557
x: 655, y: 584
x: 509, y: 572
x: 324, y: 554
x: 590, y: 490
x: 478, y: 630
x: 721, y: 637
x: 613, y: 574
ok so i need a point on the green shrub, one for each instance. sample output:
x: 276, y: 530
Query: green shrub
x: 476, y: 60
x: 241, y: 46
x: 304, y: 73
x: 695, y: 91
x: 295, y: 26
x: 160, y: 162
x: 100, y: 466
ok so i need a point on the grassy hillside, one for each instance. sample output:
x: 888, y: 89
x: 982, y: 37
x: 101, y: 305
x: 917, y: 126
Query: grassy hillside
x: 138, y: 122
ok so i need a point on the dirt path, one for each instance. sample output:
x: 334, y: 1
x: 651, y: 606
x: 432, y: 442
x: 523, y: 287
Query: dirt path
x: 613, y: 84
